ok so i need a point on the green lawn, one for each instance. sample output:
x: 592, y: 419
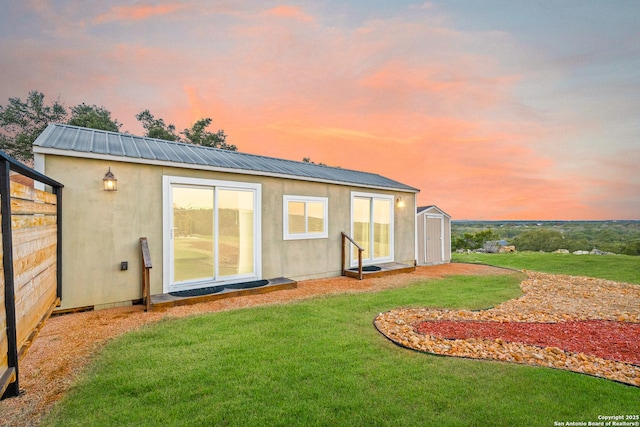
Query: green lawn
x: 621, y: 268
x: 320, y: 362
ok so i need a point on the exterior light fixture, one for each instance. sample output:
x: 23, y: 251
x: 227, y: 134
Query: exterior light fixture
x: 110, y: 182
x: 400, y: 202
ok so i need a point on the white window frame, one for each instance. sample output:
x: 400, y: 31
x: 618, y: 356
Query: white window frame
x: 373, y: 196
x: 306, y: 235
x: 167, y: 242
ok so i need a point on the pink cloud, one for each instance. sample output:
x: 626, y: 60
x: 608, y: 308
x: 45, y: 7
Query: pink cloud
x: 137, y: 12
x: 362, y: 103
x: 406, y: 97
x: 292, y: 12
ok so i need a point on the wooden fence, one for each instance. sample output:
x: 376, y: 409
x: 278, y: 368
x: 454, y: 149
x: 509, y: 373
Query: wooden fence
x: 30, y: 285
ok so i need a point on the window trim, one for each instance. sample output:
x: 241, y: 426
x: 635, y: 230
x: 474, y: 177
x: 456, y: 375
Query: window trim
x: 306, y: 235
x: 375, y: 196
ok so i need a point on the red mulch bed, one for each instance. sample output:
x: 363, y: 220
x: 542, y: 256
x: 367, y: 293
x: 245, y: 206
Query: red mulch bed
x: 610, y: 340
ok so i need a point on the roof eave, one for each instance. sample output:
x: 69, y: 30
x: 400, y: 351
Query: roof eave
x: 423, y: 210
x: 125, y: 159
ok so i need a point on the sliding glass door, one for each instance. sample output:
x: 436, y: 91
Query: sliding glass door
x: 372, y: 227
x: 211, y: 232
x: 193, y: 245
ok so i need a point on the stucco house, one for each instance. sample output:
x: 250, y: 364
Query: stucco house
x: 211, y: 217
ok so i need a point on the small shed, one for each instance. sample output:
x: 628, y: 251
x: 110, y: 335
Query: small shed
x: 434, y: 235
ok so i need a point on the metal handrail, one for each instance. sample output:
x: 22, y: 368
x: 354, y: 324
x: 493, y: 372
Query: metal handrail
x: 146, y: 265
x: 346, y: 237
x: 9, y: 381
x: 22, y: 169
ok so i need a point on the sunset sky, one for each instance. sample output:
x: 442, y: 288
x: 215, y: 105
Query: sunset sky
x: 494, y: 109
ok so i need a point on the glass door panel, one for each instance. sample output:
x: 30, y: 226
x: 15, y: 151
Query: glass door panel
x: 235, y: 232
x: 381, y: 228
x: 361, y: 226
x: 372, y: 228
x: 193, y: 249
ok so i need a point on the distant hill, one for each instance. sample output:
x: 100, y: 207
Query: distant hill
x: 617, y: 236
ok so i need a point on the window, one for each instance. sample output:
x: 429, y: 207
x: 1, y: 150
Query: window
x: 305, y: 217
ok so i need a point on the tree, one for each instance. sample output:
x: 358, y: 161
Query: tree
x: 156, y: 128
x: 196, y: 134
x: 540, y: 240
x: 308, y: 160
x: 473, y: 241
x: 632, y: 248
x: 199, y: 136
x: 94, y: 117
x: 22, y: 122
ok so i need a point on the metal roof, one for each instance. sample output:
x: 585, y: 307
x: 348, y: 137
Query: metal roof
x: 421, y: 209
x: 92, y: 143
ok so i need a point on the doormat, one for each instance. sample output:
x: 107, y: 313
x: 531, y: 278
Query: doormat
x: 198, y: 292
x: 215, y: 289
x: 367, y: 268
x: 247, y: 285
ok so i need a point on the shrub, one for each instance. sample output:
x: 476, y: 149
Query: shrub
x: 540, y: 240
x: 631, y: 248
x: 473, y: 241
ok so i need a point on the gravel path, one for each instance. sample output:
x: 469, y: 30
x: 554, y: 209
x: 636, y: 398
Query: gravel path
x: 547, y: 298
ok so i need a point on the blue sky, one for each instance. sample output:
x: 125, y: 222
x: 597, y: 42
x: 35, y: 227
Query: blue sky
x: 494, y: 109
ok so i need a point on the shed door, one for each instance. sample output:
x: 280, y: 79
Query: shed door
x: 434, y: 239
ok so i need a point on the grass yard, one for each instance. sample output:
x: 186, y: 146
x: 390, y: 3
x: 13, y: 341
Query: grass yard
x: 320, y: 362
x: 621, y: 268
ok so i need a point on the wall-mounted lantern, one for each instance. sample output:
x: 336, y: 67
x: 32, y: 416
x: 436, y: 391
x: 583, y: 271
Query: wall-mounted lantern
x: 110, y: 182
x: 400, y: 202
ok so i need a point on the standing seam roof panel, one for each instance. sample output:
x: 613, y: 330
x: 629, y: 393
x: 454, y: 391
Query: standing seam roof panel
x: 130, y: 150
x: 143, y: 147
